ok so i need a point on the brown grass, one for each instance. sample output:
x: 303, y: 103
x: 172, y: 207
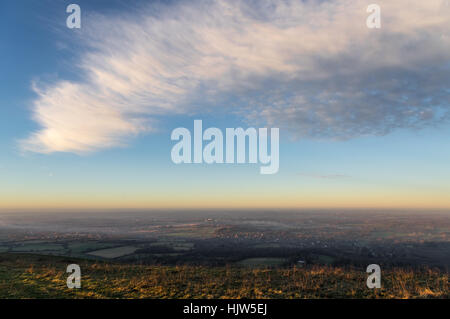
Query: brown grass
x: 31, y: 276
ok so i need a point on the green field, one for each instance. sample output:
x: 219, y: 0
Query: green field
x: 178, y: 245
x: 114, y: 252
x: 82, y: 247
x: 37, y: 247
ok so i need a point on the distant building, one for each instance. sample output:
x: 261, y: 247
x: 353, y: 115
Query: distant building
x: 301, y: 262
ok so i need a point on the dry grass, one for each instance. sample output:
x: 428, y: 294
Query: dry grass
x: 28, y: 276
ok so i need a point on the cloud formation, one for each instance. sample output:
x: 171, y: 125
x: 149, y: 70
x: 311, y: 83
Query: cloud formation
x: 324, y: 176
x: 311, y: 67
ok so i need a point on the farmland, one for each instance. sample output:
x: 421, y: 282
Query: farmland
x: 114, y: 252
x: 237, y: 238
x: 230, y: 246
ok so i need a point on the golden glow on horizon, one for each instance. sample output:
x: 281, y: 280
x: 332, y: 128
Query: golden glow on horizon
x: 193, y: 200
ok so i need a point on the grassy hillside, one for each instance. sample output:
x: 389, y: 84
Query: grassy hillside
x: 34, y: 276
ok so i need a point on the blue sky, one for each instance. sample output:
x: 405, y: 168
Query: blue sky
x: 363, y: 114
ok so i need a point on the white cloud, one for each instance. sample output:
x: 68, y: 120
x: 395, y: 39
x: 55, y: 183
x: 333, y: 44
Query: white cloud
x: 311, y: 67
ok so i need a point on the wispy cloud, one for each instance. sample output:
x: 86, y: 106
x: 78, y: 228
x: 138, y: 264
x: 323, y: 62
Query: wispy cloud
x: 313, y: 68
x: 324, y: 176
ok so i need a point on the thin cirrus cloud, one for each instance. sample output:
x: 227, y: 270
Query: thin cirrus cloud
x: 312, y: 68
x: 324, y: 176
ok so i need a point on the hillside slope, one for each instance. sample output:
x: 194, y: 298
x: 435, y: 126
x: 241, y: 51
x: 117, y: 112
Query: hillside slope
x: 35, y: 276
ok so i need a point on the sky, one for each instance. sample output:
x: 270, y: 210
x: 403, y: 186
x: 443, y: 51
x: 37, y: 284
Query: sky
x: 86, y: 114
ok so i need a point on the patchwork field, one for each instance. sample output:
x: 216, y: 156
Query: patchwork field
x: 226, y: 254
x: 114, y: 252
x: 37, y: 247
